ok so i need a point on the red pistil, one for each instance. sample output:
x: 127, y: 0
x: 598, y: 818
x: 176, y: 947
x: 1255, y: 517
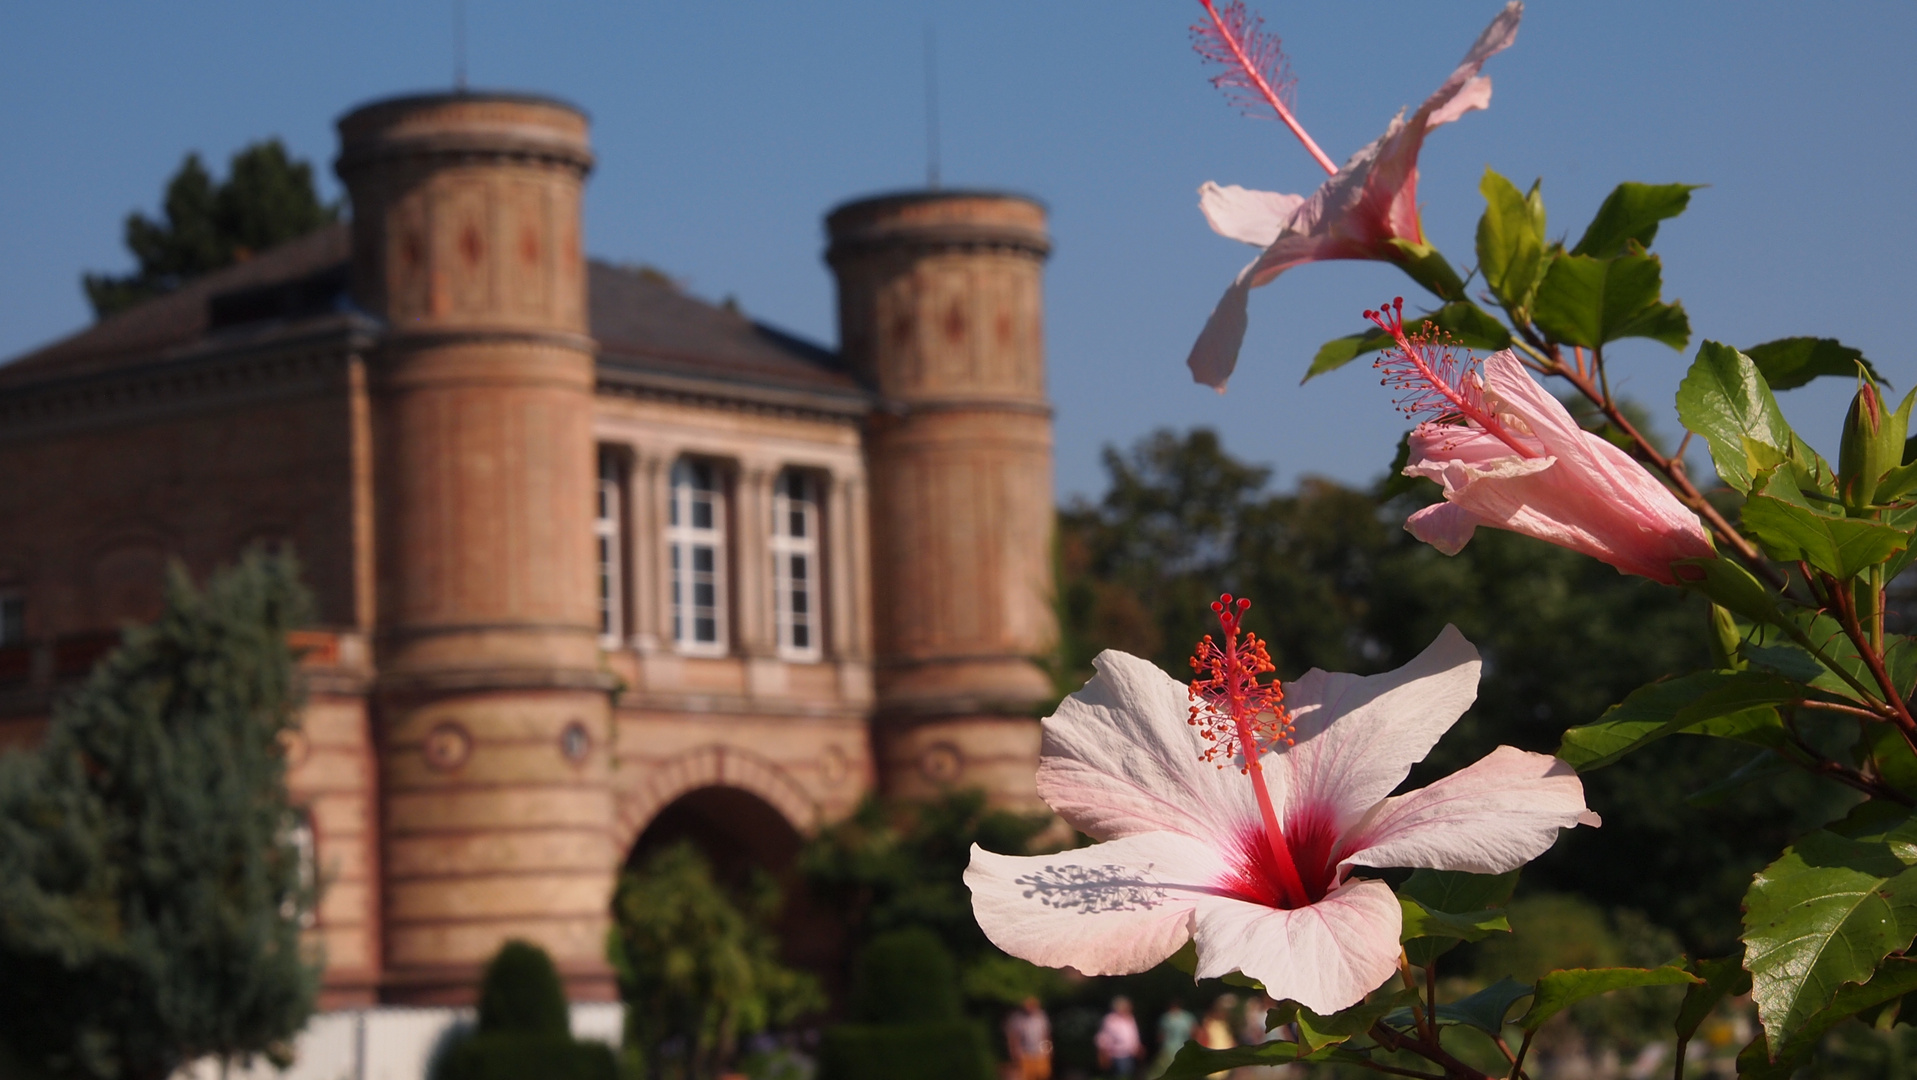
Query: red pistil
x: 1434, y: 384
x: 1242, y: 717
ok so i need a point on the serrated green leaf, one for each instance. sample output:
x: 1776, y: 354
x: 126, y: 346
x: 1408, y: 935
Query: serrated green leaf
x: 1725, y: 400
x: 1893, y: 980
x: 1589, y: 301
x: 1560, y: 990
x: 1511, y: 241
x: 1778, y: 517
x: 1466, y: 323
x: 1821, y: 917
x: 1773, y: 648
x: 1485, y: 1010
x: 1722, y: 978
x: 1789, y: 363
x: 1742, y: 700
x: 1632, y: 212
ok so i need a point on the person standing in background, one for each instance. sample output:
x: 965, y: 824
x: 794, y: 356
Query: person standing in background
x: 1119, y: 1046
x: 1028, y: 1039
x: 1174, y: 1031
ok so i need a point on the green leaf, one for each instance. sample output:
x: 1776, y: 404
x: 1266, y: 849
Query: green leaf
x: 1779, y: 519
x: 1725, y: 400
x: 1789, y: 363
x: 1420, y: 923
x: 1560, y: 990
x: 1194, y: 1062
x: 1821, y: 917
x: 1741, y: 701
x: 1511, y: 241
x: 1484, y: 1010
x: 1631, y: 213
x: 1316, y: 1031
x: 1893, y: 980
x: 1589, y: 301
x: 1466, y: 323
x: 1722, y: 978
x: 1457, y: 892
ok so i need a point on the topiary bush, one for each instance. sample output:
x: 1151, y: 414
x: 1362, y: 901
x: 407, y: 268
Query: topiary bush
x: 525, y: 1029
x: 521, y: 992
x: 910, y: 1026
x: 906, y: 977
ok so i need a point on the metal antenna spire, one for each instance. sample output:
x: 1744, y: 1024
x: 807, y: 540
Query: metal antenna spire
x: 931, y: 108
x: 459, y: 46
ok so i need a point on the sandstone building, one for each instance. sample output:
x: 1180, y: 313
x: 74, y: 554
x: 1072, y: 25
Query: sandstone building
x: 595, y: 561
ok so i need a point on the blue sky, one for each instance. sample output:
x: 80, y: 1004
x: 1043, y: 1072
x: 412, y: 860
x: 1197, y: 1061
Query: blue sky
x: 725, y: 132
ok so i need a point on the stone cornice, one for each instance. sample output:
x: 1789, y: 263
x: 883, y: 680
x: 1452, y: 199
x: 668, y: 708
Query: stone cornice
x: 208, y: 376
x: 732, y: 396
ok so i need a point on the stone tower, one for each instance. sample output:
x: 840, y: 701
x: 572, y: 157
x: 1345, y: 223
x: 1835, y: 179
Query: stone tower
x: 940, y: 308
x: 492, y: 708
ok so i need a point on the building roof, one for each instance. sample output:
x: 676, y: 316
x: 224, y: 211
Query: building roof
x: 650, y: 333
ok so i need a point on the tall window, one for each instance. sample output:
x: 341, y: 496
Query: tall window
x: 607, y: 536
x: 696, y: 538
x: 795, y: 564
x: 13, y: 618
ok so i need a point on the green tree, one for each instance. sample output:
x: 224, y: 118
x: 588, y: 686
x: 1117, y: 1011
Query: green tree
x: 698, y: 969
x: 151, y: 889
x: 1336, y: 583
x: 267, y: 199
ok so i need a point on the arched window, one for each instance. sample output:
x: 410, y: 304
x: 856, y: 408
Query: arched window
x: 609, y: 547
x: 795, y: 565
x: 696, y: 540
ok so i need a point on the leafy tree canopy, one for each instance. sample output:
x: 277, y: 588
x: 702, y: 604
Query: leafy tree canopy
x: 266, y: 199
x: 151, y: 887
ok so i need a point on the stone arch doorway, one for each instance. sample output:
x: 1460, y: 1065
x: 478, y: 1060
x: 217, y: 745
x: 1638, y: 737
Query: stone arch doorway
x: 741, y: 833
x: 736, y: 830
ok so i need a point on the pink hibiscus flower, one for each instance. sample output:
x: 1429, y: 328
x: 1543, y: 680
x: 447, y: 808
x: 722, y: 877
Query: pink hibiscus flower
x: 1356, y: 214
x: 1256, y: 863
x: 1509, y: 456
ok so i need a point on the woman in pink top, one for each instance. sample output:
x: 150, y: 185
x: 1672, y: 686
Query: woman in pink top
x: 1119, y: 1046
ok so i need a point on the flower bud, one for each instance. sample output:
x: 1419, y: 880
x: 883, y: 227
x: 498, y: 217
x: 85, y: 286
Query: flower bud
x: 1872, y: 446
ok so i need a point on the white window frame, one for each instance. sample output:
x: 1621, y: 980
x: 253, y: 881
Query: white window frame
x: 795, y: 501
x: 16, y: 600
x: 609, y: 545
x: 684, y: 541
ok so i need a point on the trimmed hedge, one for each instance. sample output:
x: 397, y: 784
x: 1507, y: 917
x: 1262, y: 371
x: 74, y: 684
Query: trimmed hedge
x: 945, y: 1050
x: 521, y: 992
x: 906, y: 977
x: 517, y: 1056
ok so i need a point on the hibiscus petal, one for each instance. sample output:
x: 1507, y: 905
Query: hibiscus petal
x: 1445, y: 526
x: 1452, y: 97
x: 1358, y: 736
x: 1109, y: 909
x: 1245, y: 215
x: 1495, y: 816
x: 1215, y: 354
x: 1326, y: 956
x: 1118, y: 758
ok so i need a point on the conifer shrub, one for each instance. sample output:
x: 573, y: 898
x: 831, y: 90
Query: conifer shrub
x: 909, y: 1024
x: 524, y: 1030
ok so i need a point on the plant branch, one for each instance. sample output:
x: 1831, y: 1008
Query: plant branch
x: 1505, y: 1049
x: 1846, y: 607
x: 1517, y: 1067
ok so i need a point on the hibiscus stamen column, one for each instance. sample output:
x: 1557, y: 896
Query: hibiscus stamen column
x: 1433, y: 383
x: 1229, y: 709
